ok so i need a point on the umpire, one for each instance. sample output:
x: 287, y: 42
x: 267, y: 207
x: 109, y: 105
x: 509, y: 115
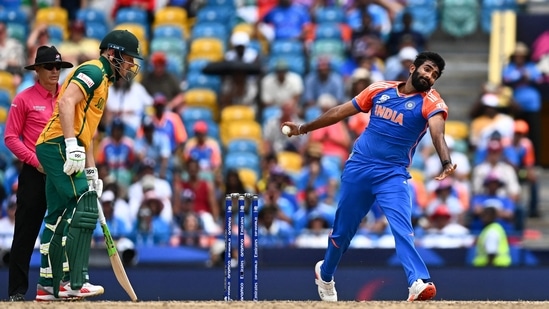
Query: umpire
x: 30, y: 111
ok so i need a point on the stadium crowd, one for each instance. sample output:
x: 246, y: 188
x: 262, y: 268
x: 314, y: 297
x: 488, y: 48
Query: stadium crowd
x: 184, y: 133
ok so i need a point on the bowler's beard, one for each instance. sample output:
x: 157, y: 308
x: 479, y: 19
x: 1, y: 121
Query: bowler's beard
x: 420, y: 84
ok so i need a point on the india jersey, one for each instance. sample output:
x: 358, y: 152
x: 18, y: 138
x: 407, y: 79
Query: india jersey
x: 92, y: 78
x: 397, y: 123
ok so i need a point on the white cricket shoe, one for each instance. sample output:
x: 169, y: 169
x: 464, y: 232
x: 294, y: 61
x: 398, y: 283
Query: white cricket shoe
x: 421, y: 291
x: 87, y: 290
x: 326, y: 290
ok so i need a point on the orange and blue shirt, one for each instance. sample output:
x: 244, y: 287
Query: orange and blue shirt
x: 397, y: 122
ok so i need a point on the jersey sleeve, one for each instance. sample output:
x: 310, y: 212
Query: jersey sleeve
x: 364, y: 100
x: 434, y: 104
x: 88, y: 77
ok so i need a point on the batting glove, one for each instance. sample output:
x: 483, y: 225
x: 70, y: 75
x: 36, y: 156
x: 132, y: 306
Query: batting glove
x: 93, y: 180
x: 76, y: 157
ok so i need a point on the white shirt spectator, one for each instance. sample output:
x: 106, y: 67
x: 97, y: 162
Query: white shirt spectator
x: 128, y: 104
x: 275, y: 93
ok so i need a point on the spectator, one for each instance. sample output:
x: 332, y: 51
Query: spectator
x: 168, y: 122
x: 396, y: 37
x: 526, y: 165
x: 319, y: 175
x: 495, y: 165
x: 366, y: 39
x: 323, y: 80
x: 273, y: 232
x: 399, y: 68
x: 204, y: 149
x: 146, y: 181
x: 315, y: 233
x: 335, y: 139
x: 205, y: 202
x: 117, y: 225
x: 360, y: 79
x: 463, y: 170
x: 288, y: 20
x: 240, y: 51
x: 159, y: 80
x: 122, y: 209
x: 273, y: 139
x: 489, y: 197
x: 492, y: 249
x: 238, y: 89
x: 491, y: 120
x: 7, y: 223
x: 524, y: 77
x: 39, y: 36
x: 281, y: 86
x: 128, y: 100
x: 444, y: 195
x: 312, y: 207
x: 117, y: 151
x: 445, y: 233
x: 12, y: 53
x: 154, y: 146
x: 151, y: 229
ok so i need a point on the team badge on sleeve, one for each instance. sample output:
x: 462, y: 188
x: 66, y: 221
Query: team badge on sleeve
x: 86, y: 79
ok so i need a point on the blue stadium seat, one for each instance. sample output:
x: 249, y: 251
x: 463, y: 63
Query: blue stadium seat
x: 269, y: 113
x: 199, y: 80
x: 176, y: 65
x: 16, y: 16
x: 229, y: 4
x: 424, y: 14
x: 169, y: 46
x: 168, y: 31
x: 210, y: 30
x: 196, y: 66
x: 330, y: 14
x: 312, y: 113
x: 91, y: 15
x: 95, y: 30
x: 490, y: 6
x: 131, y: 15
x: 56, y: 34
x: 5, y: 99
x: 192, y: 114
x: 242, y: 145
x: 332, y: 48
x: 287, y: 47
x: 18, y: 32
x: 330, y: 31
x: 216, y: 14
x: 459, y: 18
x: 296, y: 64
x: 237, y: 160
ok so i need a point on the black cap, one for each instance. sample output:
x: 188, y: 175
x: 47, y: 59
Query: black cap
x: 47, y: 54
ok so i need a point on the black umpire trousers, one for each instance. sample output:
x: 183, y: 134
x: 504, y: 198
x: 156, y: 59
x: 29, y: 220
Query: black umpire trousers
x: 31, y: 208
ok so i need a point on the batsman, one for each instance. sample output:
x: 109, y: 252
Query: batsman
x: 65, y: 150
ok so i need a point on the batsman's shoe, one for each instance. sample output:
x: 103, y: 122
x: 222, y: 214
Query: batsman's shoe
x: 421, y: 290
x: 326, y: 290
x: 45, y: 293
x: 87, y: 290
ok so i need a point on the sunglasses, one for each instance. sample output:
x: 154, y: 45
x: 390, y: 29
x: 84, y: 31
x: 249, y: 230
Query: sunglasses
x: 50, y: 66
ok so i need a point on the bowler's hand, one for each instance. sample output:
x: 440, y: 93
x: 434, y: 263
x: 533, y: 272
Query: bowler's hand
x: 76, y: 157
x: 449, y: 169
x: 294, y: 128
x: 93, y: 180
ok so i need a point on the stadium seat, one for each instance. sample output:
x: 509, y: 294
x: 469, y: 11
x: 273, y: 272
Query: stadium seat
x: 175, y: 65
x: 197, y: 65
x: 270, y: 112
x: 490, y: 6
x: 132, y: 15
x: 237, y: 113
x: 332, y: 48
x: 216, y: 14
x: 14, y: 16
x: 295, y: 63
x: 3, y: 114
x: 199, y: 80
x: 245, y: 129
x: 210, y: 30
x: 417, y: 175
x: 206, y: 48
x: 312, y: 112
x: 328, y: 31
x: 168, y: 46
x: 213, y: 129
x: 56, y: 33
x: 424, y: 14
x: 244, y: 27
x: 249, y: 178
x: 287, y: 47
x: 205, y: 98
x: 7, y: 82
x: 195, y: 113
x: 290, y: 161
x: 229, y: 4
x: 170, y: 15
x: 459, y: 130
x: 91, y: 15
x: 18, y: 32
x: 169, y: 31
x: 459, y: 18
x: 239, y: 160
x: 329, y: 14
x: 95, y: 30
x: 5, y: 98
x: 242, y: 145
x: 53, y: 16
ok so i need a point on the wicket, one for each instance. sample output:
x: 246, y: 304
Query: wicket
x: 253, y: 199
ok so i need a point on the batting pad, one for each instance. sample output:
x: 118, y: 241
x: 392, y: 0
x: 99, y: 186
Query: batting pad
x: 79, y: 237
x: 56, y: 255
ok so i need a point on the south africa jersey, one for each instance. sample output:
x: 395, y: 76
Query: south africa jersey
x: 397, y: 123
x: 92, y: 78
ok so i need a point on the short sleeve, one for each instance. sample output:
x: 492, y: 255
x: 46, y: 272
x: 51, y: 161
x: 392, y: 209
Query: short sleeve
x: 364, y: 100
x: 88, y: 77
x: 434, y: 104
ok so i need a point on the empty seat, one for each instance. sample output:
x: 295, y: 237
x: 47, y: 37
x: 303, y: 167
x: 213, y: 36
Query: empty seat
x: 295, y: 63
x: 169, y: 31
x: 249, y: 178
x: 169, y: 46
x: 329, y: 14
x: 205, y: 98
x: 210, y: 30
x: 459, y: 17
x: 289, y: 161
x: 239, y: 160
x: 199, y: 80
x: 95, y: 30
x: 53, y: 16
x: 236, y: 113
x: 206, y: 48
x: 459, y: 130
x: 7, y: 82
x: 170, y: 15
x: 270, y: 112
x: 332, y: 48
x: 132, y: 15
x: 91, y: 15
x: 330, y: 31
x: 244, y: 129
x: 5, y: 98
x: 287, y: 47
x: 242, y: 145
x: 195, y: 113
x: 216, y: 14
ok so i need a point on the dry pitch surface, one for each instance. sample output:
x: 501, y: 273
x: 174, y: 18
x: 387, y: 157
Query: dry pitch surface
x: 281, y: 304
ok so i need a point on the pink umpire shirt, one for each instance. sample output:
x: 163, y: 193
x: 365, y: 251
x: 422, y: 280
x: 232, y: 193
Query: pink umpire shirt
x: 30, y: 110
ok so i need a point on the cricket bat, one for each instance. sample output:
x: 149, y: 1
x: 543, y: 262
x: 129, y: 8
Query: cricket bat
x: 116, y: 263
